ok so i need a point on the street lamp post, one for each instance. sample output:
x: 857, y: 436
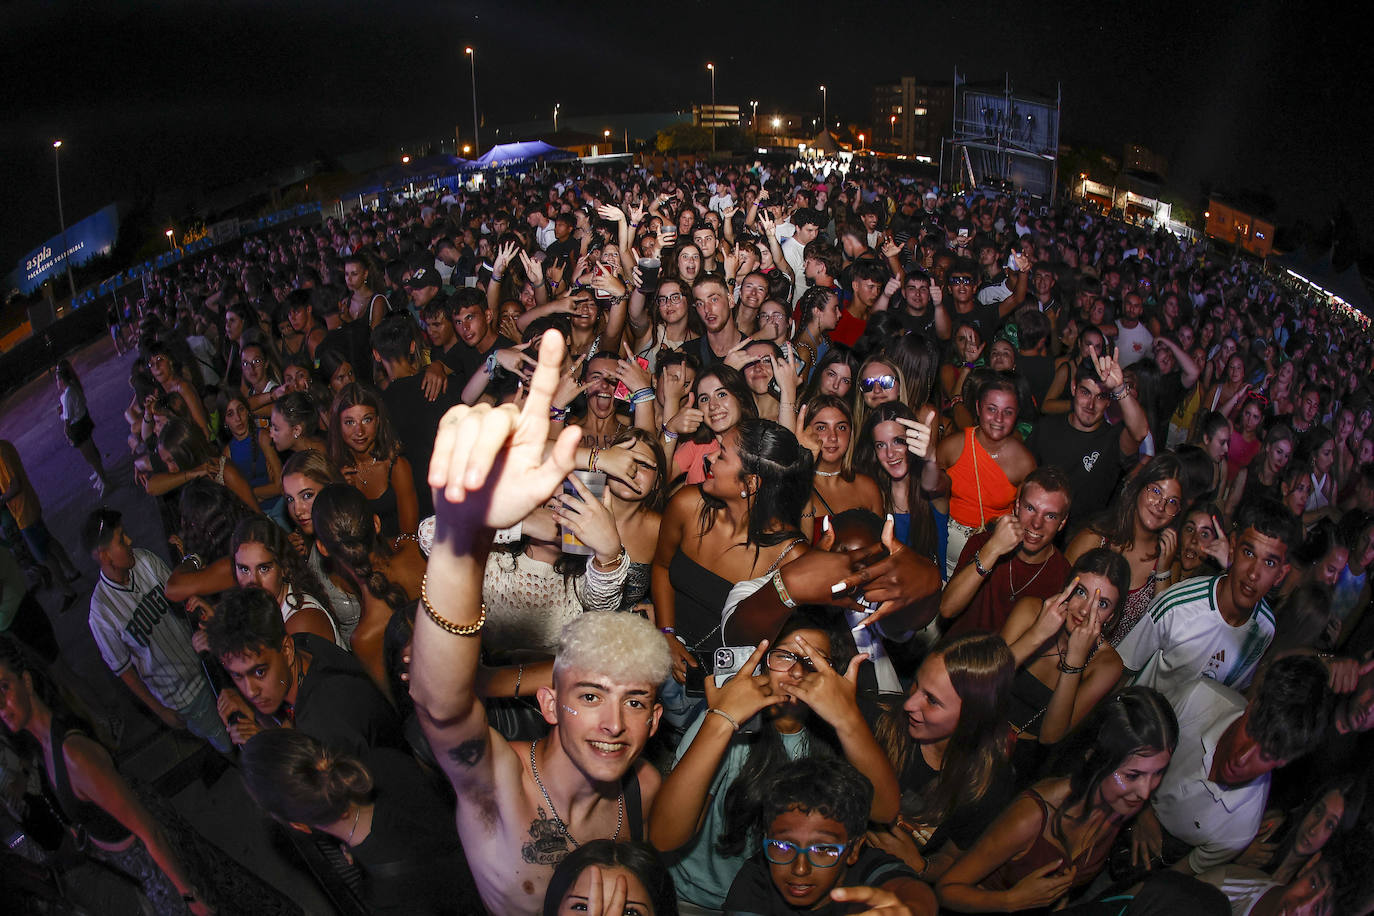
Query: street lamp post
x: 712, y: 67
x: 754, y: 119
x: 472, y: 58
x: 607, y: 135
x: 861, y: 143
x: 61, y: 217
x: 555, y: 117
x: 171, y: 240
x: 825, y: 125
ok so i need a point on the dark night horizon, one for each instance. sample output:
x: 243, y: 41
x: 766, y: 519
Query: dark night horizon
x: 148, y: 98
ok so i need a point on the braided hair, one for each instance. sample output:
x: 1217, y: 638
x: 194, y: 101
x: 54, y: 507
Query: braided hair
x: 344, y: 525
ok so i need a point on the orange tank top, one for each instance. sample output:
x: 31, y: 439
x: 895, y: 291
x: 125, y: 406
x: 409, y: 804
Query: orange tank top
x: 979, y: 488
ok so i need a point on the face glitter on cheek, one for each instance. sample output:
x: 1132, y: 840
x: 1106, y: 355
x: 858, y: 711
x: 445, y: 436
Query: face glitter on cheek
x: 570, y: 710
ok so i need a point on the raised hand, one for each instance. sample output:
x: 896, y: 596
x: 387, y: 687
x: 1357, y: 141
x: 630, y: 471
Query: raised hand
x: 1109, y: 370
x: 590, y: 519
x: 879, y: 902
x: 635, y: 376
x: 827, y: 692
x: 1084, y: 637
x: 735, y: 357
x: 608, y: 212
x: 1054, y: 610
x: 569, y: 384
x: 891, y: 249
x: 1168, y: 546
x: 746, y: 693
x: 488, y: 469
x: 918, y: 437
x: 1006, y: 536
x: 532, y: 268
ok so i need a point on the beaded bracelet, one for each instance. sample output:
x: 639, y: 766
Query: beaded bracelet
x: 1066, y: 668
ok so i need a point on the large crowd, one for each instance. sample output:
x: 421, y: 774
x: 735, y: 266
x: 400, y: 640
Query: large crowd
x: 615, y: 541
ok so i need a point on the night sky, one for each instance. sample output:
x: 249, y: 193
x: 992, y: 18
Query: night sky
x: 154, y: 95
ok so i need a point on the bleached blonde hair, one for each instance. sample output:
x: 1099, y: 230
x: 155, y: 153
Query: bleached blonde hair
x: 621, y: 646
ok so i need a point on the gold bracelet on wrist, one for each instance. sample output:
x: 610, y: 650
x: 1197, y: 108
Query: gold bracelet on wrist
x: 449, y: 626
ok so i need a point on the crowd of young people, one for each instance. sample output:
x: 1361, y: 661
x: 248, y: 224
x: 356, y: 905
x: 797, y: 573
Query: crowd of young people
x: 752, y: 539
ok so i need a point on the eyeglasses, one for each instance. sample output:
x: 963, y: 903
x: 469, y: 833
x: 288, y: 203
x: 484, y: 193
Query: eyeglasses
x: 1156, y: 495
x: 885, y: 382
x: 820, y: 855
x: 773, y: 316
x: 782, y: 660
x: 960, y: 281
x: 671, y: 297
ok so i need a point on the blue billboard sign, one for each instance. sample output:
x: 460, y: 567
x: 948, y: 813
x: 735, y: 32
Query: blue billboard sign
x: 92, y: 236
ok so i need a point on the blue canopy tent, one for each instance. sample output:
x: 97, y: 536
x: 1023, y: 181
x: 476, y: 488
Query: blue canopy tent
x: 507, y: 155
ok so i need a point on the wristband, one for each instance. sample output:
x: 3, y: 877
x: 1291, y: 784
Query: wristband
x: 726, y: 716
x: 669, y: 434
x: 591, y: 463
x: 558, y: 414
x: 642, y: 395
x: 978, y: 567
x: 1164, y: 576
x: 667, y: 631
x: 781, y: 588
x: 195, y: 560
x: 490, y: 365
x: 1120, y: 392
x: 1066, y: 668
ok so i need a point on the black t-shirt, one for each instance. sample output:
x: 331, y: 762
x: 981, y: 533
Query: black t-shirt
x: 416, y: 421
x: 917, y: 778
x: 753, y: 893
x: 411, y: 860
x: 1092, y: 460
x: 986, y: 318
x: 924, y: 324
x: 338, y: 705
x: 1039, y: 374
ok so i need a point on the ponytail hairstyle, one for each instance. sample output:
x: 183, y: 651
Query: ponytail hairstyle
x: 299, y: 409
x: 299, y: 780
x: 345, y: 527
x: 299, y: 578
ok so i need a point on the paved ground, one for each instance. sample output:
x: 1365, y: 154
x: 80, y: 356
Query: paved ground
x: 29, y: 419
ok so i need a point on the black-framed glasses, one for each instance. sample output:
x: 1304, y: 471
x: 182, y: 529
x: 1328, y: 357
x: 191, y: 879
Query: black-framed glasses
x: 820, y: 855
x: 782, y: 660
x: 885, y: 382
x: 671, y: 297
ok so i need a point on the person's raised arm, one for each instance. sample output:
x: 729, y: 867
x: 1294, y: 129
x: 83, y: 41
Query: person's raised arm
x: 1081, y: 684
x: 1018, y: 292
x: 682, y: 801
x: 1135, y: 425
x: 488, y: 472
x: 964, y: 585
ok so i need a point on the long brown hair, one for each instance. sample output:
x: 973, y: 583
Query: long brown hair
x: 980, y: 668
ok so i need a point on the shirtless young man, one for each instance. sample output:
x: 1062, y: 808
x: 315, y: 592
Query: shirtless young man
x: 522, y: 808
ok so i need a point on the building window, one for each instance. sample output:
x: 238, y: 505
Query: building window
x: 918, y: 112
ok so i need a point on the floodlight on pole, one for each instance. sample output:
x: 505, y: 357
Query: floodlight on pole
x: 472, y: 58
x: 61, y: 217
x: 171, y: 240
x: 555, y: 116
x: 824, y: 108
x: 712, y: 67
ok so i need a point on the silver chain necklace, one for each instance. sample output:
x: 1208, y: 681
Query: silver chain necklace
x: 562, y: 827
x: 1016, y: 591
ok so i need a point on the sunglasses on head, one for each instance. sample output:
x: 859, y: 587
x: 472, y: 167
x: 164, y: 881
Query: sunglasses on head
x: 885, y: 382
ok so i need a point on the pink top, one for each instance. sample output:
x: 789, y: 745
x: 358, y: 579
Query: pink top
x: 1239, y: 455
